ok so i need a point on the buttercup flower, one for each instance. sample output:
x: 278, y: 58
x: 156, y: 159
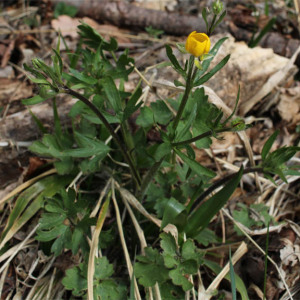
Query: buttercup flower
x: 197, y: 44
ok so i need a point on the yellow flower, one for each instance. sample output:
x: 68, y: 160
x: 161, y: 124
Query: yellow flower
x: 197, y: 44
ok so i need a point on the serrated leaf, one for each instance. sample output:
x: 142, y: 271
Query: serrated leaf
x: 110, y: 290
x: 162, y: 113
x: 187, y: 125
x: 179, y: 279
x: 146, y: 117
x: 112, y: 94
x: 74, y: 280
x: 63, y: 240
x: 168, y: 243
x: 103, y: 269
x: 162, y: 150
x: 149, y: 274
x: 189, y: 266
x: 189, y: 251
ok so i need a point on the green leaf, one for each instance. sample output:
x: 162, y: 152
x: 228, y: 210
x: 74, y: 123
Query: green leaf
x: 60, y: 63
x: 187, y: 125
x: 162, y: 114
x: 33, y: 100
x: 254, y: 41
x: 82, y: 77
x: 206, y: 237
x: 29, y: 202
x: 93, y: 39
x: 268, y: 145
x: 150, y: 268
x: 103, y: 269
x: 222, y: 16
x: 162, y: 150
x: 74, y: 280
x: 204, y: 16
x: 213, y: 71
x: 213, y: 51
x: 77, y: 236
x: 64, y: 166
x: 189, y: 251
x: 62, y: 8
x: 112, y: 94
x: 168, y: 243
x: 179, y: 279
x: 63, y: 240
x: 146, y: 118
x: 110, y: 290
x: 201, y: 217
x: 195, y: 166
x: 172, y: 209
x: 88, y: 147
x: 131, y: 106
x: 174, y: 60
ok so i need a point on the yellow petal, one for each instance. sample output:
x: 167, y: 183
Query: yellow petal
x: 197, y: 44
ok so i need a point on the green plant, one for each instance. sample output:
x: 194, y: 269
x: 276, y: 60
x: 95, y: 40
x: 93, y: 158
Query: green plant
x: 62, y: 8
x: 155, y: 33
x: 160, y: 178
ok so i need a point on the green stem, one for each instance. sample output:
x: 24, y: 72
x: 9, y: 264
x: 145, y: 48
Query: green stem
x: 201, y: 136
x: 212, y: 25
x: 188, y: 88
x: 221, y: 182
x: 149, y: 176
x: 116, y: 138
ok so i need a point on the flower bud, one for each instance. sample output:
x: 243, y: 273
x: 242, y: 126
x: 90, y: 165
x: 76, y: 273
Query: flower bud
x: 217, y: 7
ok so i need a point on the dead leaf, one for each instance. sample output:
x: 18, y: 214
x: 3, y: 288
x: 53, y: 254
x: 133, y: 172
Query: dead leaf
x: 66, y: 25
x: 12, y: 89
x: 289, y: 104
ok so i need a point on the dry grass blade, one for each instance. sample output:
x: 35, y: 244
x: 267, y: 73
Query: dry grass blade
x: 261, y: 250
x: 26, y: 184
x: 20, y: 246
x: 242, y: 249
x: 51, y: 285
x: 94, y: 247
x: 123, y: 242
x: 249, y: 151
x: 170, y: 228
x: 136, y: 225
x: 143, y: 242
x: 2, y: 280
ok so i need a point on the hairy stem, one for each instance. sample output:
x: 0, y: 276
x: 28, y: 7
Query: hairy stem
x: 116, y: 138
